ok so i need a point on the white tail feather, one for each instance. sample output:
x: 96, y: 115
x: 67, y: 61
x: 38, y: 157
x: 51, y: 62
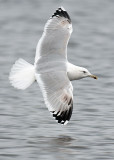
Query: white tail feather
x: 22, y: 74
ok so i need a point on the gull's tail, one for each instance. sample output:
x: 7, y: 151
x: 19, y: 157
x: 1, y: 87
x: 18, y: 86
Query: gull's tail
x: 22, y: 74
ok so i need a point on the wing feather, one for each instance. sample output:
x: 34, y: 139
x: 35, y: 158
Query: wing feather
x: 51, y: 66
x: 57, y: 92
x: 56, y: 35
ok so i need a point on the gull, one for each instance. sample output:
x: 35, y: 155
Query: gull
x: 51, y: 68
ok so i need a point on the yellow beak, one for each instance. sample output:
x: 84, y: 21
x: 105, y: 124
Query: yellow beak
x: 93, y: 76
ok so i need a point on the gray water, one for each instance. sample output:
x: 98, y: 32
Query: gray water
x: 27, y: 130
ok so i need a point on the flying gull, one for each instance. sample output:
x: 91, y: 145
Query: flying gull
x: 51, y: 68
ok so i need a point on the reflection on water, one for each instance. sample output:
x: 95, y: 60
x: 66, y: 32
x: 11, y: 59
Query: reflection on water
x: 27, y: 131
x: 58, y: 142
x: 63, y: 140
x: 61, y: 145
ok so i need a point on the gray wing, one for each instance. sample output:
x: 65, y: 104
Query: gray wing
x: 57, y: 92
x: 56, y: 35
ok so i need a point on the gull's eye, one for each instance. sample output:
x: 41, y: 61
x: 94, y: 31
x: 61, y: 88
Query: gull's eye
x: 84, y: 72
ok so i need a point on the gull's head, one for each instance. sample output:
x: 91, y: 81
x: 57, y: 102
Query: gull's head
x: 76, y: 72
x: 85, y: 73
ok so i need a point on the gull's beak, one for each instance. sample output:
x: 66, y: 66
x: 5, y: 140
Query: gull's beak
x: 93, y: 76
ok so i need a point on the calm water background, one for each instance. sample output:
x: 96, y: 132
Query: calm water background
x: 27, y: 130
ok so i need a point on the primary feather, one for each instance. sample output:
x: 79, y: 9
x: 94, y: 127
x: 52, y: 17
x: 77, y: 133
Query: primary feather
x: 56, y: 35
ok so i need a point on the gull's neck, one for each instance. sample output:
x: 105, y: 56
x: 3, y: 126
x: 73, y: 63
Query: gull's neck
x: 73, y: 72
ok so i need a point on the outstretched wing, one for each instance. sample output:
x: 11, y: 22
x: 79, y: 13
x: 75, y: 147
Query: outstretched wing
x: 57, y: 92
x: 56, y: 35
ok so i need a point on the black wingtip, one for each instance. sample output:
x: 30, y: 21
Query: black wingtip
x: 61, y: 12
x: 65, y: 115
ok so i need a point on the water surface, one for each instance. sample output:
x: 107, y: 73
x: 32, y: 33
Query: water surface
x: 27, y: 130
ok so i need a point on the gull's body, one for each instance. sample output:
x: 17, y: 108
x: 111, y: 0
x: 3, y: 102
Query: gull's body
x: 51, y: 68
